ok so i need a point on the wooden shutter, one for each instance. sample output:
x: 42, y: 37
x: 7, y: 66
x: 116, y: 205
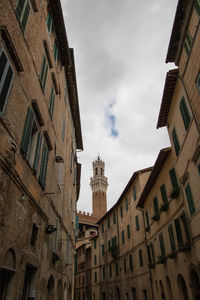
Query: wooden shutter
x: 149, y: 254
x: 102, y: 249
x: 137, y: 222
x: 176, y: 142
x: 37, y: 152
x: 55, y: 52
x: 152, y: 252
x: 110, y: 270
x: 125, y: 266
x: 185, y: 113
x: 102, y: 228
x: 121, y: 211
x: 51, y: 102
x: 126, y: 204
x: 123, y: 240
x: 128, y: 231
x: 49, y: 22
x: 186, y: 227
x: 109, y: 246
x: 162, y: 246
x: 190, y: 199
x: 178, y: 232
x: 43, y: 166
x: 25, y: 16
x: 173, y: 178
x: 155, y: 204
x: 171, y: 237
x: 140, y: 257
x: 26, y: 138
x: 108, y: 223
x: 163, y: 194
x: 130, y: 262
x: 147, y: 218
x: 134, y: 193
x: 116, y: 269
x: 5, y: 86
x: 114, y: 218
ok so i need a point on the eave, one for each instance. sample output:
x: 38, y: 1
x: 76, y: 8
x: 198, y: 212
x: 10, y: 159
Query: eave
x: 181, y: 21
x: 170, y: 83
x: 162, y: 156
x: 135, y: 174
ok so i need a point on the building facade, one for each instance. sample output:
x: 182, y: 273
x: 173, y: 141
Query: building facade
x: 40, y: 133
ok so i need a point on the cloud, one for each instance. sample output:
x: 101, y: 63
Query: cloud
x: 110, y: 119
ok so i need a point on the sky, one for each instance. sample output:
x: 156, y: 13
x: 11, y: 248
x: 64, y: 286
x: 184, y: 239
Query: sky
x: 120, y: 48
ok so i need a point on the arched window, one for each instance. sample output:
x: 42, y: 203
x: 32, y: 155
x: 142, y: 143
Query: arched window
x: 6, y: 272
x: 182, y: 288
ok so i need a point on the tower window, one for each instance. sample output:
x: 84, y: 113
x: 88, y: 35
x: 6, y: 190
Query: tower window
x: 96, y: 171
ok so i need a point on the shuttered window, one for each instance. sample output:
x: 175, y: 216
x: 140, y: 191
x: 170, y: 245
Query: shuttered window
x: 134, y: 193
x: 104, y: 273
x: 109, y: 245
x: 108, y: 223
x: 95, y: 259
x: 128, y: 231
x: 198, y: 82
x: 55, y: 52
x: 147, y: 218
x: 126, y: 204
x: 63, y: 136
x: 6, y: 78
x: 171, y: 237
x: 137, y: 222
x: 102, y: 228
x: 140, y: 258
x: 114, y: 218
x: 49, y: 23
x: 186, y: 227
x: 163, y: 194
x: 175, y: 141
x: 123, y: 240
x: 197, y: 6
x: 130, y: 263
x: 22, y: 12
x: 190, y: 199
x: 95, y: 276
x: 116, y: 269
x: 51, y: 102
x: 121, y: 211
x: 43, y: 72
x: 95, y: 244
x: 178, y: 232
x: 110, y: 270
x: 188, y: 42
x: 102, y: 249
x: 37, y: 152
x: 43, y: 166
x: 173, y: 178
x: 149, y: 254
x: 125, y: 269
x: 185, y: 113
x: 26, y: 138
x: 162, y: 246
x: 155, y: 204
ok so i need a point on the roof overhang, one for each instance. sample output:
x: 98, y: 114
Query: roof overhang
x: 162, y: 156
x: 181, y: 21
x: 170, y: 83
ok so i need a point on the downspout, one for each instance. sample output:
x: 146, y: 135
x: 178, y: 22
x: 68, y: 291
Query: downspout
x: 145, y: 238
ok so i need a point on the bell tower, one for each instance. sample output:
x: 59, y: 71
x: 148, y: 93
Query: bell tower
x: 99, y: 184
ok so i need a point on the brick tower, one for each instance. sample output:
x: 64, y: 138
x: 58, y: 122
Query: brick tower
x: 99, y: 184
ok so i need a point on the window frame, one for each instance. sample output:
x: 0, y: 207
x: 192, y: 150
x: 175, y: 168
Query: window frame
x: 185, y: 113
x: 21, y: 15
x: 175, y: 141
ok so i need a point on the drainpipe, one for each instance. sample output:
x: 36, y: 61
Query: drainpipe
x: 145, y: 238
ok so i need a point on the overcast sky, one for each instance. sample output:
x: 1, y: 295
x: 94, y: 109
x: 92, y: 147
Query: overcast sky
x: 120, y: 48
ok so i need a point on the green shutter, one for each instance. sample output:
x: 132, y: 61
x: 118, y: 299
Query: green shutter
x: 134, y: 193
x: 49, y: 22
x: 95, y: 244
x: 173, y: 178
x: 126, y: 204
x: 123, y: 240
x: 147, y: 218
x: 140, y: 257
x: 114, y: 218
x: 51, y: 102
x: 104, y: 273
x: 102, y: 249
x: 116, y: 269
x: 190, y: 199
x: 19, y: 8
x: 125, y: 266
x: 185, y: 113
x: 121, y: 211
x: 43, y: 166
x: 5, y: 86
x: 155, y: 204
x: 37, y: 152
x: 163, y: 194
x: 176, y: 142
x: 109, y: 245
x: 162, y: 246
x: 55, y: 52
x: 95, y: 276
x: 171, y: 237
x: 186, y: 227
x: 114, y: 241
x: 197, y: 6
x: 128, y: 231
x: 43, y: 72
x: 152, y: 251
x: 130, y: 262
x: 188, y: 42
x: 102, y: 228
x: 137, y: 223
x: 149, y: 254
x: 178, y: 232
x: 95, y: 259
x: 108, y: 223
x: 110, y: 270
x: 25, y: 16
x: 26, y: 138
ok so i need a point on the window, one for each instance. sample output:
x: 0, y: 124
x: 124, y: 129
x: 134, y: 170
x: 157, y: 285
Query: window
x: 188, y: 42
x: 128, y: 231
x: 163, y: 194
x: 116, y: 269
x: 34, y: 234
x: 150, y: 252
x: 175, y: 141
x: 22, y: 12
x: 63, y: 134
x: 155, y: 205
x: 173, y: 178
x: 95, y: 259
x: 43, y: 166
x: 198, y: 82
x: 43, y: 72
x: 198, y: 167
x: 185, y: 113
x: 121, y: 211
x: 147, y: 218
x: 178, y: 232
x: 108, y: 223
x: 114, y: 241
x: 102, y: 249
x: 49, y: 23
x: 171, y: 238
x: 6, y: 78
x: 51, y: 102
x: 125, y: 270
x: 95, y: 244
x: 110, y: 270
x: 102, y: 228
x: 130, y: 262
x: 190, y: 199
x: 140, y: 257
x: 123, y: 239
x: 162, y: 246
x: 197, y: 6
x: 55, y: 52
x: 104, y: 273
x: 114, y: 218
x: 109, y: 245
x: 126, y: 204
x: 134, y: 193
x: 137, y: 222
x: 95, y: 276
